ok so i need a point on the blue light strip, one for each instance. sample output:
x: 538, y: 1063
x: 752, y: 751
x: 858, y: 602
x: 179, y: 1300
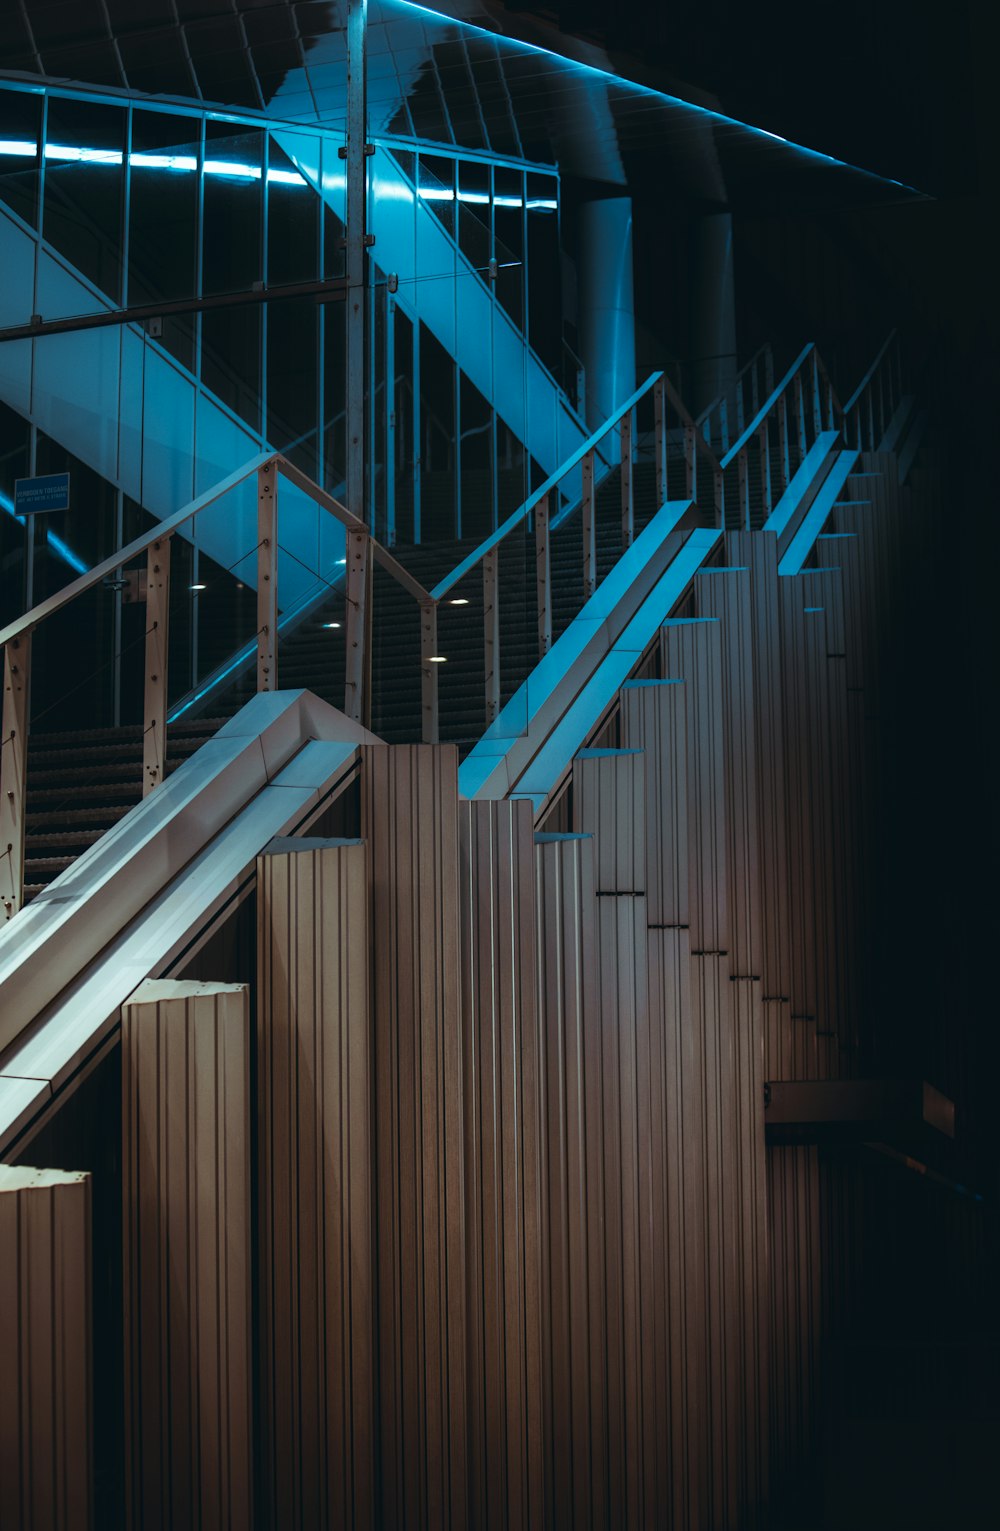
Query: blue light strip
x: 503, y: 41
x: 61, y: 549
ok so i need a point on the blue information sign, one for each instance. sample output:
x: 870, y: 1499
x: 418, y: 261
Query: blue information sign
x: 34, y: 496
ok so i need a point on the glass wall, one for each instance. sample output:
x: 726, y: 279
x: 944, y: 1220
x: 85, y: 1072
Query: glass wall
x: 149, y: 205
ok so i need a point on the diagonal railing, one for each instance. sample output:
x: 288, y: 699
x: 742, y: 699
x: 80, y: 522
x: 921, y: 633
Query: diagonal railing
x: 801, y: 407
x: 724, y: 420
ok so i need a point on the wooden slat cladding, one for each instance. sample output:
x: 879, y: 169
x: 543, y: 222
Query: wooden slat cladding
x: 187, y: 1263
x: 574, y: 1344
x: 315, y: 1160
x: 725, y: 593
x: 409, y: 819
x: 46, y: 1404
x: 502, y: 1059
x: 692, y: 651
x: 609, y: 801
x: 654, y: 720
x: 758, y: 552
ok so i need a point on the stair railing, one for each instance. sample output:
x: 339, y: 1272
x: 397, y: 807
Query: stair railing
x: 725, y: 418
x: 873, y: 403
x: 362, y: 551
x: 541, y: 505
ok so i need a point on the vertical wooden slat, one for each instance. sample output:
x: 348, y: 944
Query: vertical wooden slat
x: 316, y: 1162
x: 46, y: 1403
x: 502, y: 1057
x: 13, y: 771
x: 186, y: 1239
x: 409, y: 815
x: 575, y: 1350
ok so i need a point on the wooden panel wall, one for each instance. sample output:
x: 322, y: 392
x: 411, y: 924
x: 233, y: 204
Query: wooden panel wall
x: 504, y: 1170
x: 573, y: 1365
x: 409, y: 821
x: 187, y: 1264
x: 46, y: 1404
x: 315, y: 1157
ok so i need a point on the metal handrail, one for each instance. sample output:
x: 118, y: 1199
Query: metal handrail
x: 761, y: 351
x: 16, y: 637
x: 766, y: 408
x: 524, y: 510
x: 869, y: 375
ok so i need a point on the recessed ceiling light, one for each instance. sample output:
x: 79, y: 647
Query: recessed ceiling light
x: 199, y: 587
x: 331, y: 624
x: 459, y: 601
x: 436, y: 659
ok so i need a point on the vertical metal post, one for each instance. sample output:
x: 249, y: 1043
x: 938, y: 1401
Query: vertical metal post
x: 357, y: 662
x: 154, y: 726
x: 660, y: 435
x: 628, y: 487
x: 871, y: 419
x: 754, y: 390
x: 784, y: 464
x: 357, y: 258
x: 764, y: 439
x: 769, y: 369
x: 13, y: 768
x: 724, y: 424
x: 267, y: 577
x: 831, y: 408
x: 800, y: 415
x: 690, y: 464
x: 589, y: 529
x: 719, y: 479
x: 543, y: 576
x: 491, y: 633
x: 740, y: 422
x: 428, y: 671
x: 817, y: 404
x: 744, y: 479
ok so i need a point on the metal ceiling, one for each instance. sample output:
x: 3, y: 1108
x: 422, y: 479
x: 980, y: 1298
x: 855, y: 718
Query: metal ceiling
x: 431, y: 78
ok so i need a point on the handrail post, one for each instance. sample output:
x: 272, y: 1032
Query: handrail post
x: 768, y: 368
x: 724, y: 423
x: 764, y: 439
x: 13, y: 770
x: 800, y: 416
x: 154, y: 727
x: 660, y: 432
x: 628, y: 491
x: 744, y: 481
x: 491, y: 633
x: 543, y: 576
x: 589, y: 529
x: 871, y: 420
x: 720, y: 498
x: 784, y: 463
x: 357, y: 697
x: 817, y: 404
x: 831, y: 407
x: 267, y: 578
x: 428, y: 672
x: 690, y: 464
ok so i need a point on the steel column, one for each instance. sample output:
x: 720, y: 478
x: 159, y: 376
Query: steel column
x: 628, y: 489
x: 357, y: 663
x: 267, y: 578
x: 428, y: 672
x: 154, y: 727
x: 589, y: 529
x: 543, y: 576
x: 491, y: 633
x: 357, y: 259
x: 13, y: 769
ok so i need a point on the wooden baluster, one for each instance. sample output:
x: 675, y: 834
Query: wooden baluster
x: 589, y: 529
x: 154, y: 729
x: 13, y: 769
x: 491, y: 633
x: 543, y: 576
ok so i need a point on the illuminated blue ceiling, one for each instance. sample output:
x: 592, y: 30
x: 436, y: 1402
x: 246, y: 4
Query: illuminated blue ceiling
x: 431, y: 78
